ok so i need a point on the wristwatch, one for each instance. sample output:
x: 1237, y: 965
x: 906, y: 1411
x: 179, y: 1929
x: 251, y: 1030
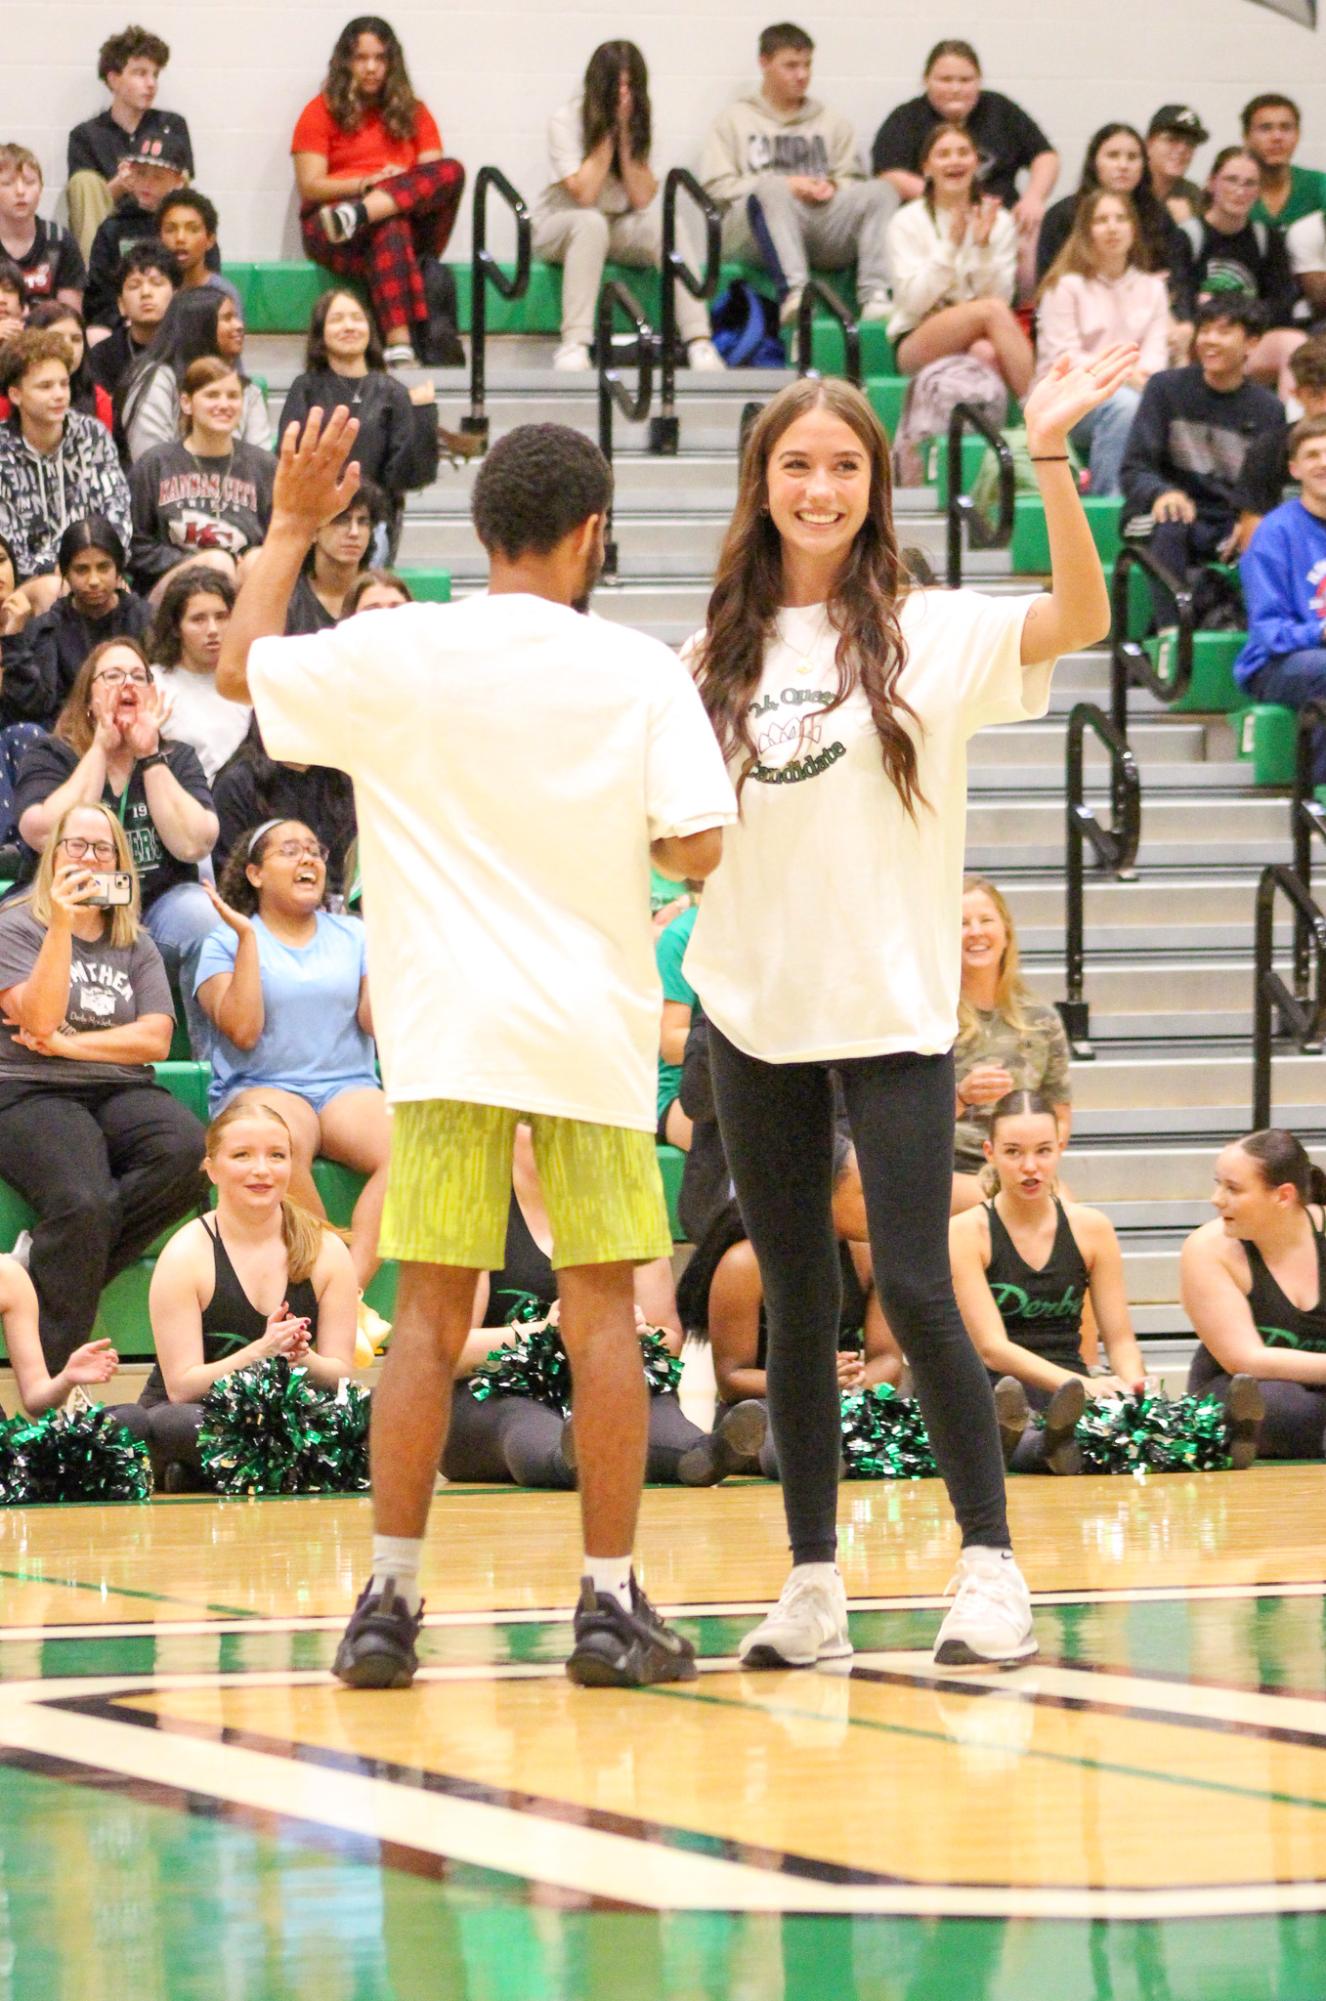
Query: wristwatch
x: 153, y: 757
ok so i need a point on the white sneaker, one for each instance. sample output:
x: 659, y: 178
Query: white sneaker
x: 400, y: 355
x: 876, y: 306
x: 572, y: 358
x: 703, y: 354
x: 808, y: 1624
x: 989, y: 1623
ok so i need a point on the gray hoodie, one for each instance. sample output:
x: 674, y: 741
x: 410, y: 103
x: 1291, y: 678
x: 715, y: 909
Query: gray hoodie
x: 751, y: 138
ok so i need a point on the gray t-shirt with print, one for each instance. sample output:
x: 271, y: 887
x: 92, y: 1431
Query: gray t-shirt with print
x: 1035, y: 1057
x: 109, y: 986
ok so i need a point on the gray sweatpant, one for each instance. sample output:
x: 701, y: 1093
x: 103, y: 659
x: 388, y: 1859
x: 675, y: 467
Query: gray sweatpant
x: 775, y: 227
x: 582, y: 240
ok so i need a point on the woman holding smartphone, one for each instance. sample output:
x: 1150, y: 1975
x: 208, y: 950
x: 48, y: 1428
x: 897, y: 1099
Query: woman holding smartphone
x: 105, y: 1156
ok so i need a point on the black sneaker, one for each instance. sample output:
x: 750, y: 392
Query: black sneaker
x: 1063, y: 1454
x: 733, y: 1446
x: 615, y: 1648
x: 1245, y: 1408
x: 1013, y: 1413
x: 377, y: 1650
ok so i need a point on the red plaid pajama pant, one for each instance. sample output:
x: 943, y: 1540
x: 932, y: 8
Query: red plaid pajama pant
x: 385, y: 255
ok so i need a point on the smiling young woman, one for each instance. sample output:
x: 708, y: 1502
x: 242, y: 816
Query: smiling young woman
x: 829, y: 940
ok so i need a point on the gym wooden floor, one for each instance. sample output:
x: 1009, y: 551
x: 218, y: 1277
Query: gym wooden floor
x: 189, y: 1806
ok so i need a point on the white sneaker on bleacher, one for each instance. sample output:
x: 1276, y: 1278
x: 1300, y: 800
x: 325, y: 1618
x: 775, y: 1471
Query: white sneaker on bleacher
x: 572, y: 358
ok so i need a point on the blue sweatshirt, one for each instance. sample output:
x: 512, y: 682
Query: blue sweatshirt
x: 1284, y: 587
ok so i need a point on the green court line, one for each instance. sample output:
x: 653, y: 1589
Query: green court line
x: 1046, y: 1757
x: 124, y: 1591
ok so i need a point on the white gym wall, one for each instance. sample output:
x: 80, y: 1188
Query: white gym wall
x: 241, y: 73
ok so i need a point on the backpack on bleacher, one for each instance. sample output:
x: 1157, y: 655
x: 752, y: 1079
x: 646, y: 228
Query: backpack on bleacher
x: 439, y: 344
x: 745, y: 328
x: 932, y: 396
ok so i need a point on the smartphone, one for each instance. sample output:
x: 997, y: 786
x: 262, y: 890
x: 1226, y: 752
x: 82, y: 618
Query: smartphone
x: 112, y: 890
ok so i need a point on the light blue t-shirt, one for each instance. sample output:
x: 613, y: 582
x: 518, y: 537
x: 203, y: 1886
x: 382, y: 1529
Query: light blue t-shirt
x: 311, y: 1041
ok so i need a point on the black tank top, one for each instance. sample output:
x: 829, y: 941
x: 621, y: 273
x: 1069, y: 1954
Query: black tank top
x: 526, y: 1274
x: 1041, y: 1310
x: 230, y: 1319
x: 1281, y: 1324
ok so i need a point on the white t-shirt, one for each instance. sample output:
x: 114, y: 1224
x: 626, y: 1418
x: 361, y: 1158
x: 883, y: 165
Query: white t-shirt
x: 566, y: 156
x: 512, y: 762
x: 201, y: 718
x: 1306, y: 243
x: 832, y: 928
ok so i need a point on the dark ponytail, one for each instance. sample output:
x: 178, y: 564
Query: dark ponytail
x: 1283, y: 1159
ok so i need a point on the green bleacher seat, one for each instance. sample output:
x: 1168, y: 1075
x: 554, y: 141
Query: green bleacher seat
x: 935, y: 454
x: 1267, y: 737
x: 671, y: 1161
x: 886, y: 393
x: 339, y: 1188
x: 430, y: 586
x: 1213, y: 688
x: 1031, y: 543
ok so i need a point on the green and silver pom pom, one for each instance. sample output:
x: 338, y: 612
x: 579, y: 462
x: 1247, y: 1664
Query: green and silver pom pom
x: 535, y: 1366
x: 72, y: 1455
x: 1154, y: 1434
x: 270, y: 1430
x: 884, y: 1436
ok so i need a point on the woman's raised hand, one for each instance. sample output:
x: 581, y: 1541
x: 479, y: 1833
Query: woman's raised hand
x: 236, y: 919
x: 1070, y: 390
x: 144, y: 734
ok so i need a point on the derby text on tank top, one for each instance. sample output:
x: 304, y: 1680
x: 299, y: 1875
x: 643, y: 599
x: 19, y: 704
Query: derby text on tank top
x: 230, y: 1319
x: 1280, y: 1323
x: 1041, y: 1310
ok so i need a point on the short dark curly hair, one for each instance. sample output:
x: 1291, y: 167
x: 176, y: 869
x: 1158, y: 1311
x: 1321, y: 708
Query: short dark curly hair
x: 537, y: 485
x: 1235, y: 307
x: 199, y: 203
x: 132, y: 41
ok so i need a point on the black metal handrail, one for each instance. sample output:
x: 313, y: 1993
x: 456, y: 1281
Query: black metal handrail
x: 1115, y: 848
x: 613, y: 393
x: 1307, y: 816
x: 1300, y: 1018
x: 813, y: 289
x: 484, y: 271
x: 961, y: 506
x: 1130, y: 664
x: 665, y: 429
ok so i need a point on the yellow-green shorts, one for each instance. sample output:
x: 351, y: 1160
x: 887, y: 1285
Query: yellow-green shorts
x: 449, y: 1188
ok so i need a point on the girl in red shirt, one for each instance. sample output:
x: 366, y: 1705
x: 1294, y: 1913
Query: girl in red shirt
x: 376, y: 193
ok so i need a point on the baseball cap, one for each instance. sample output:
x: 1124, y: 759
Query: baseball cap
x: 163, y: 147
x: 1180, y: 119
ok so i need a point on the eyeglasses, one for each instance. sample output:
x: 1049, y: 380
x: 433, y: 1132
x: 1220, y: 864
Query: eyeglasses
x: 84, y: 851
x: 291, y: 851
x: 115, y: 677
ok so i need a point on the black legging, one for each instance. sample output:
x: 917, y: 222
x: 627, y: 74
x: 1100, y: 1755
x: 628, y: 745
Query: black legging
x: 1294, y: 1426
x: 514, y: 1439
x: 777, y: 1125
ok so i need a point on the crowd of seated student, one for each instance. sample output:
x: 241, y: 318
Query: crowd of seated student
x: 1284, y: 586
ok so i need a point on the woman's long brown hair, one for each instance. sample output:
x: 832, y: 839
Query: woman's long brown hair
x: 397, y: 103
x: 748, y: 592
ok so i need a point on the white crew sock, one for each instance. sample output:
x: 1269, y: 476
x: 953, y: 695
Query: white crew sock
x: 611, y: 1575
x: 396, y: 1558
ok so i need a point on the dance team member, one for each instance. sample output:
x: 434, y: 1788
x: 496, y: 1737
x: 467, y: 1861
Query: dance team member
x: 1253, y: 1283
x: 844, y: 706
x: 258, y: 1277
x: 429, y: 715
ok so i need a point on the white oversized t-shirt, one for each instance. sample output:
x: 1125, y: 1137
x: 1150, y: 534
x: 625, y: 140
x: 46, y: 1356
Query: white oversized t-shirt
x: 512, y: 762
x: 832, y: 929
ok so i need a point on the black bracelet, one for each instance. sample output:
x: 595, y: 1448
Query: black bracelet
x: 153, y: 757
x: 1050, y: 459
